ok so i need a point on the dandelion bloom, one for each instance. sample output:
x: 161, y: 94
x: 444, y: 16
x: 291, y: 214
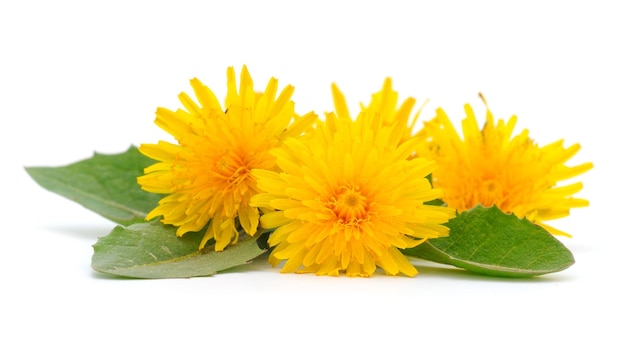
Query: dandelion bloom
x: 491, y: 166
x: 348, y: 199
x: 206, y: 176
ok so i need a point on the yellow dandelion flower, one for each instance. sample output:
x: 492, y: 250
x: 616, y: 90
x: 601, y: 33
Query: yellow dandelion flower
x: 493, y: 167
x: 207, y: 175
x: 347, y: 200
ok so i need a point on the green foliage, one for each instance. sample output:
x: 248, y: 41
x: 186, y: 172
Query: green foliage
x: 105, y: 184
x: 152, y: 250
x: 488, y: 241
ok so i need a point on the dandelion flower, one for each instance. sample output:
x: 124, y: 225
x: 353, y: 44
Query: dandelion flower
x: 347, y: 200
x: 491, y: 166
x: 206, y: 176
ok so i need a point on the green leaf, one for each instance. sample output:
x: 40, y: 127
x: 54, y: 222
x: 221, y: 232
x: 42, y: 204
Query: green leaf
x: 488, y: 241
x: 105, y: 184
x: 152, y: 250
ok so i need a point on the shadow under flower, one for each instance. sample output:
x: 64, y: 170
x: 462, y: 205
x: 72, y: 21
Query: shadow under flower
x: 428, y: 269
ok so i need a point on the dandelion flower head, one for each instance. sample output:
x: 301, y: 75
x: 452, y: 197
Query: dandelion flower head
x: 206, y: 175
x: 347, y: 199
x: 492, y: 166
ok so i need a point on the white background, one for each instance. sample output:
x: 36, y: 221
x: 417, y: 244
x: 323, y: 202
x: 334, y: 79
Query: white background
x: 78, y: 77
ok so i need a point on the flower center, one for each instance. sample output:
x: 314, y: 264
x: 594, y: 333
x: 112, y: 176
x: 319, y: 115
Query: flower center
x: 350, y: 205
x: 491, y: 192
x: 232, y: 170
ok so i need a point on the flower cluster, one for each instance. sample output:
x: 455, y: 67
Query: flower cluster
x: 341, y: 194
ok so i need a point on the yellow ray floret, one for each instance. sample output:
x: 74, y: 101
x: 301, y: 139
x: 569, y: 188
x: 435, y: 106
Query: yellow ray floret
x: 383, y: 110
x: 347, y: 200
x: 491, y: 166
x: 206, y: 175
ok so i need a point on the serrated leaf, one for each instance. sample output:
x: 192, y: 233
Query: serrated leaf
x: 488, y: 241
x: 105, y: 184
x: 152, y: 250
